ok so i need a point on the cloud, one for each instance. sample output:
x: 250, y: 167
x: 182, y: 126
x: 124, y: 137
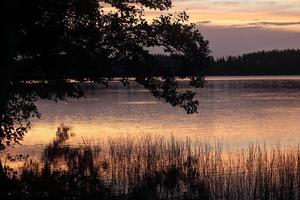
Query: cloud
x: 203, y: 22
x: 274, y: 23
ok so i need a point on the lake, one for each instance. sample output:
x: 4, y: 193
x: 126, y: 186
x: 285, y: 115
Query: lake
x: 234, y: 110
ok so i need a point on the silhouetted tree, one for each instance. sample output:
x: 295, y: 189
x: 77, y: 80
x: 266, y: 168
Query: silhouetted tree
x: 48, y: 42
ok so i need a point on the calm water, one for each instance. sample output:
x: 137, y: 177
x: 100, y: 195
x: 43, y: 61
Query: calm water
x: 236, y: 110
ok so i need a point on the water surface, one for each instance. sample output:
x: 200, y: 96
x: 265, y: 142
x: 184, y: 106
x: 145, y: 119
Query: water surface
x: 236, y: 110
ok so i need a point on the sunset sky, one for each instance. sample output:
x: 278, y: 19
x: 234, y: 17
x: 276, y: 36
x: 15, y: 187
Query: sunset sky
x: 239, y: 26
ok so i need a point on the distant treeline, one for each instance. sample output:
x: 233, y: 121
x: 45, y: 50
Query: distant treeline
x: 276, y: 62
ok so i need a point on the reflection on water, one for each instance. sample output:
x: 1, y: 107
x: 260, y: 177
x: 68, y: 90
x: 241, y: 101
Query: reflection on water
x: 237, y: 110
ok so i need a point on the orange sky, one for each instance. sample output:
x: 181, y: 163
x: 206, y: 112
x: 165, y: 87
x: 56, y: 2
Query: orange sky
x: 277, y: 14
x: 234, y: 27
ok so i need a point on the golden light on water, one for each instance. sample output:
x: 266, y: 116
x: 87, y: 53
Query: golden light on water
x: 235, y: 110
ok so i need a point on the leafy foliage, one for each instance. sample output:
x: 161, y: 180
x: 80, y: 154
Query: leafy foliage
x: 20, y: 106
x: 48, y: 43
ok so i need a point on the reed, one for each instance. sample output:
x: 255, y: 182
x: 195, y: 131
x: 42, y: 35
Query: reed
x: 159, y: 168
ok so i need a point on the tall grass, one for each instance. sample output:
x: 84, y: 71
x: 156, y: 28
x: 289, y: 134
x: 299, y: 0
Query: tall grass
x: 174, y: 167
x: 159, y: 168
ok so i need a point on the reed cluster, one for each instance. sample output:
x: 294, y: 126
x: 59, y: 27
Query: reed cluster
x: 158, y: 168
